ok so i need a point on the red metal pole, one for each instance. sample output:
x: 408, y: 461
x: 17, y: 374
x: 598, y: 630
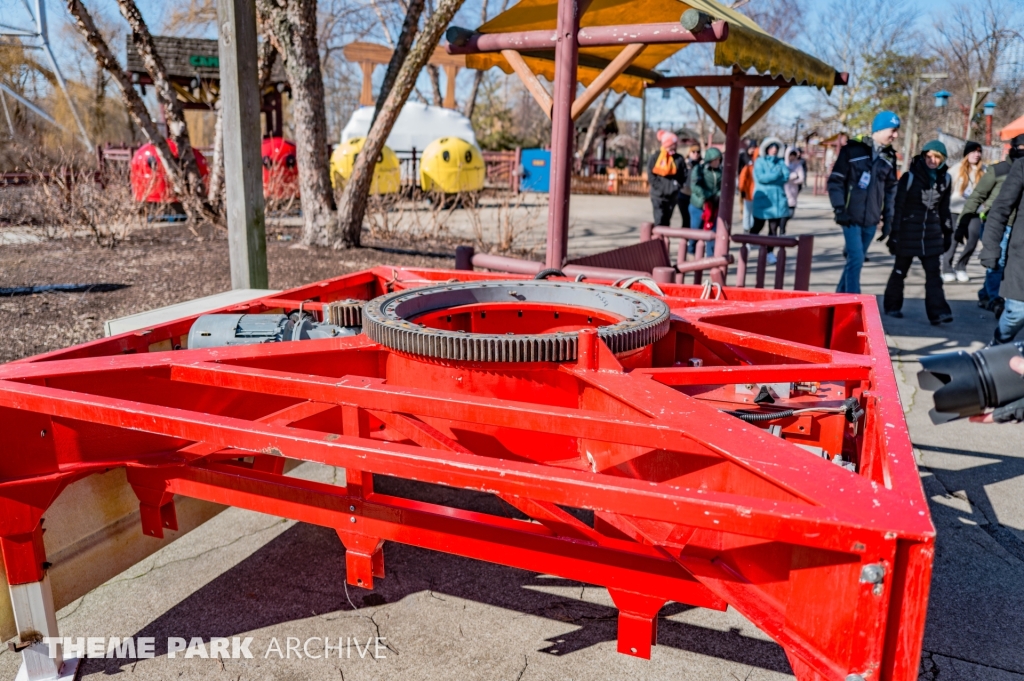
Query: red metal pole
x: 730, y: 170
x: 562, y: 132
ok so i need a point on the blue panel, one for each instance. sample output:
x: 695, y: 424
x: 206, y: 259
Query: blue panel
x: 536, y: 170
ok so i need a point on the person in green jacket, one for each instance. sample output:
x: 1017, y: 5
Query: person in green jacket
x: 977, y: 206
x: 705, y: 191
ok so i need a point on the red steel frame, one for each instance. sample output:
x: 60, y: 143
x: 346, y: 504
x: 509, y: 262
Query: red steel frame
x: 689, y: 504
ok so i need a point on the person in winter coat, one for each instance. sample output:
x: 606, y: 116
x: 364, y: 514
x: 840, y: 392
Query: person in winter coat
x: 692, y: 160
x: 1008, y: 245
x: 862, y: 190
x: 746, y: 187
x: 666, y: 173
x: 980, y: 201
x: 770, y: 176
x: 922, y: 229
x: 966, y: 174
x: 797, y: 177
x: 705, y: 191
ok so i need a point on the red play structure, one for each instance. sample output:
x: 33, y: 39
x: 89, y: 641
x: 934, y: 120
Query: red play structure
x: 149, y: 181
x: 742, y: 448
x: 280, y: 170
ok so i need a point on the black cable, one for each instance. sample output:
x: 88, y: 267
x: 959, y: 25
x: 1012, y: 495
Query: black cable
x: 761, y: 416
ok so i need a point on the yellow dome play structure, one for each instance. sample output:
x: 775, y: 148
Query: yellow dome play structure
x: 387, y: 176
x: 452, y: 165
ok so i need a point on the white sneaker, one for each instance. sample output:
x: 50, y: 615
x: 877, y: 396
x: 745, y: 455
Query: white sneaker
x: 771, y: 259
x: 948, y: 277
x: 962, y: 276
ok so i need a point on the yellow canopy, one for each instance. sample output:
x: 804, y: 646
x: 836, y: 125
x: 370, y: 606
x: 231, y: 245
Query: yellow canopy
x: 748, y: 45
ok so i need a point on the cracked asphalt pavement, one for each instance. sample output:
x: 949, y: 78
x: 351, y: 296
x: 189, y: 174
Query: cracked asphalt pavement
x: 436, y: 616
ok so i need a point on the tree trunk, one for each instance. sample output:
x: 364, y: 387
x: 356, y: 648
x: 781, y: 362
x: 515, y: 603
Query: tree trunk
x: 470, y: 105
x: 352, y: 208
x: 174, y: 115
x: 595, y: 121
x: 292, y: 24
x: 132, y: 100
x: 216, y: 180
x: 409, y: 28
x: 478, y: 76
x: 435, y: 84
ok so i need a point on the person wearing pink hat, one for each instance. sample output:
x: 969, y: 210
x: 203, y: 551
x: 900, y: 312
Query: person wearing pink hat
x: 666, y: 174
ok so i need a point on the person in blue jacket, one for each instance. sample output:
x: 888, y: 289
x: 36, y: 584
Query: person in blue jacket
x: 862, y: 190
x: 770, y: 177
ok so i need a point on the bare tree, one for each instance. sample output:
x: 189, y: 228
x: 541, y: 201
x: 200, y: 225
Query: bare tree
x: 401, y: 51
x: 972, y: 40
x: 856, y: 31
x: 292, y: 26
x: 174, y: 115
x: 352, y: 208
x: 132, y: 100
x: 478, y: 75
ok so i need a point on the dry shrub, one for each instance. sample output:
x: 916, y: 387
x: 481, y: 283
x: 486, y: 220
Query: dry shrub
x: 61, y: 202
x: 501, y: 225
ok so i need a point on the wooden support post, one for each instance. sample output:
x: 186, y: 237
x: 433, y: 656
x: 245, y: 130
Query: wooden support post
x: 708, y: 109
x: 450, y: 71
x: 529, y: 79
x: 366, y: 93
x: 243, y: 171
x: 605, y: 78
x: 766, y: 106
x: 730, y: 171
x: 563, y: 141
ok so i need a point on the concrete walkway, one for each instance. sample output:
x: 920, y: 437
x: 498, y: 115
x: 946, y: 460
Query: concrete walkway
x: 442, y: 617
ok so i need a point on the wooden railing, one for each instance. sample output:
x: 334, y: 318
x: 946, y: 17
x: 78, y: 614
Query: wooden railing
x: 804, y: 245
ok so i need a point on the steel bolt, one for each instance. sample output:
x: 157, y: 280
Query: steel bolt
x: 352, y: 508
x: 872, y: 573
x: 42, y: 433
x: 352, y: 519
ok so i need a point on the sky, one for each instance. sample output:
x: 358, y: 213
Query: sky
x: 673, y: 110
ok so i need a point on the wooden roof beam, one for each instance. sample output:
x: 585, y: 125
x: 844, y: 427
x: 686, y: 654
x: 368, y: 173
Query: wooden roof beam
x: 529, y: 79
x: 766, y: 105
x: 606, y: 77
x: 464, y: 41
x: 708, y: 109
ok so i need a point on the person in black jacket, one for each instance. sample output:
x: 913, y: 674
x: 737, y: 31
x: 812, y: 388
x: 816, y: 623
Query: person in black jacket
x: 1006, y: 212
x: 923, y: 229
x: 666, y: 173
x: 862, y: 188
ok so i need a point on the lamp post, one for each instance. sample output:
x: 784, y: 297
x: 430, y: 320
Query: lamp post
x: 911, y: 123
x: 974, y: 103
x: 989, y: 108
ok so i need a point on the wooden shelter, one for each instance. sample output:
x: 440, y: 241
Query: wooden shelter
x: 193, y: 67
x: 370, y: 55
x: 597, y: 43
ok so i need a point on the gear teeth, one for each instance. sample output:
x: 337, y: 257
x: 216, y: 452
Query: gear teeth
x: 645, y: 320
x: 344, y: 312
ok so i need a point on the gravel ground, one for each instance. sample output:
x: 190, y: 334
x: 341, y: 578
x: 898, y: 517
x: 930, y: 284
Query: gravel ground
x: 158, y: 266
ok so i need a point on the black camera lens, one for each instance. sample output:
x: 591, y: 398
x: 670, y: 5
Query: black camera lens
x: 966, y: 384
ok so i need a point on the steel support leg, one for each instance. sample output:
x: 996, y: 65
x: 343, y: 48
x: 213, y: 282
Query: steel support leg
x: 36, y: 620
x: 638, y: 622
